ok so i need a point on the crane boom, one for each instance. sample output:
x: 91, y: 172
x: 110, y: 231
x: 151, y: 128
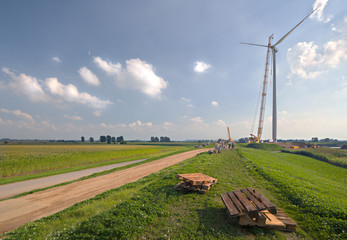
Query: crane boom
x: 230, y: 140
x: 257, y: 138
x: 263, y: 96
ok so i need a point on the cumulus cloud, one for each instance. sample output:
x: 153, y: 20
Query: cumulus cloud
x: 201, y: 67
x: 138, y: 123
x: 197, y: 120
x: 137, y: 75
x: 220, y: 123
x: 75, y: 117
x: 307, y: 60
x: 214, y: 103
x: 70, y: 93
x: 27, y: 85
x: 21, y: 114
x: 318, y: 14
x: 56, y: 59
x: 18, y: 113
x: 88, y: 76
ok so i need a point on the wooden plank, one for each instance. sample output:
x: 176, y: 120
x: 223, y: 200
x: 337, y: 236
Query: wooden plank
x: 250, y: 208
x: 272, y: 222
x: 260, y: 206
x: 232, y: 210
x: 237, y: 202
x: 269, y: 205
x: 290, y: 224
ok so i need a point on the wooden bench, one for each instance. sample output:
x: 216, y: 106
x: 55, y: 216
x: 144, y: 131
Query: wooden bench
x: 249, y: 208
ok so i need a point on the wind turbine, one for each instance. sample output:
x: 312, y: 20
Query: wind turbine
x: 274, y: 50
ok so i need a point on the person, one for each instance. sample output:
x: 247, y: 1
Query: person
x: 229, y: 144
x: 233, y: 145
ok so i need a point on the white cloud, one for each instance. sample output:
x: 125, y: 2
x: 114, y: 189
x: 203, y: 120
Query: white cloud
x: 70, y: 93
x: 97, y: 113
x: 18, y: 113
x: 201, y: 67
x: 56, y: 59
x: 138, y: 123
x: 220, y: 123
x: 187, y: 100
x: 318, y: 15
x: 21, y: 114
x: 88, y: 76
x: 308, y: 61
x: 27, y: 85
x: 214, y: 103
x: 75, y: 117
x: 4, y: 110
x: 137, y: 75
x: 197, y: 120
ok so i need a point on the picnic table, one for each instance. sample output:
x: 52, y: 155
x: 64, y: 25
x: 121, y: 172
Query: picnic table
x: 249, y: 208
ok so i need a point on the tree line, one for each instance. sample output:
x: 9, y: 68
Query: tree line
x: 162, y: 139
x: 107, y: 139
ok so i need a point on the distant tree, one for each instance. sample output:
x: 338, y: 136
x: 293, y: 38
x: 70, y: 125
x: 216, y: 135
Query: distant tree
x: 164, y: 139
x: 91, y: 139
x: 123, y: 142
x: 314, y: 139
x: 113, y: 139
x: 102, y: 139
x: 120, y: 138
x: 82, y: 139
x: 152, y: 139
x: 156, y: 139
x: 108, y: 139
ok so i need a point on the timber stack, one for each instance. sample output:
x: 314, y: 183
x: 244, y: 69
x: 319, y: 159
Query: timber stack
x: 195, y: 182
x: 249, y: 208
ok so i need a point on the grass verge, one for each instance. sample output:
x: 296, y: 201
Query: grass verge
x: 336, y: 157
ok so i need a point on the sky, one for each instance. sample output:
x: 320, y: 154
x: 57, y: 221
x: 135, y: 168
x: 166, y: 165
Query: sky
x: 170, y: 68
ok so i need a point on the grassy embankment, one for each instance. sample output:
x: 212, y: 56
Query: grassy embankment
x: 24, y: 162
x: 336, y: 157
x: 310, y: 191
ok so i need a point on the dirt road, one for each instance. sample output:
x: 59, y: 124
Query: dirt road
x: 17, y: 212
x: 13, y: 189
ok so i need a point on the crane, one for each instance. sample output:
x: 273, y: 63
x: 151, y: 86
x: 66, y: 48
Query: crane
x: 230, y: 140
x: 253, y: 138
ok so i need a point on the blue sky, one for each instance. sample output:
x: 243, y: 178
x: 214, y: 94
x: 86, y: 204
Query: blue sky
x: 169, y: 68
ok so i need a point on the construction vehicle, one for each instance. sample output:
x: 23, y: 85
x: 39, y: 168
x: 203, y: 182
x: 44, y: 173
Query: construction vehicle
x: 253, y: 138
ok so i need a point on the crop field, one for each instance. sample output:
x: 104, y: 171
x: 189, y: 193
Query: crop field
x: 18, y: 161
x: 313, y: 193
x: 331, y: 155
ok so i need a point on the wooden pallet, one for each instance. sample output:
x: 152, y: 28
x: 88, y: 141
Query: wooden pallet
x: 195, y: 182
x: 249, y: 208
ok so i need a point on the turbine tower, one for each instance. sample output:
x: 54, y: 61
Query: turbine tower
x: 274, y: 97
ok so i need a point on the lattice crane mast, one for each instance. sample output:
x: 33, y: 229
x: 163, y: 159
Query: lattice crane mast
x: 257, y: 138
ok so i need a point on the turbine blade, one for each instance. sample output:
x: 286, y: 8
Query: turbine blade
x: 253, y: 44
x: 279, y: 41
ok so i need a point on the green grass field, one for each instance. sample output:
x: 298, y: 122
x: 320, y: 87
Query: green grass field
x: 311, y: 192
x: 331, y: 155
x: 22, y: 162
